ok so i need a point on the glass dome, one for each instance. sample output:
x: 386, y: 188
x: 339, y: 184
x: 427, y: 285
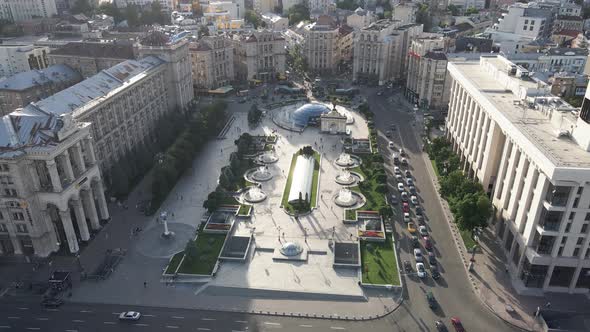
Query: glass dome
x: 300, y: 117
x: 291, y: 249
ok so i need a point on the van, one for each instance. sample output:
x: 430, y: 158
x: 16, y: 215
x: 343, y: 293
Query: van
x: 395, y: 158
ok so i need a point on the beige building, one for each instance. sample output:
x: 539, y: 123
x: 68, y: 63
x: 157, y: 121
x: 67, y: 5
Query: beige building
x: 259, y: 55
x: 427, y: 68
x: 320, y: 45
x: 563, y: 22
x: 52, y: 193
x: 90, y: 58
x: 19, y: 10
x: 29, y: 86
x: 380, y: 51
x: 18, y: 58
x: 360, y: 18
x: 345, y: 43
x: 212, y: 62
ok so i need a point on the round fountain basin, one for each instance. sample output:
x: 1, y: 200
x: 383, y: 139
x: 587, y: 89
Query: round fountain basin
x: 355, y: 200
x: 254, y: 195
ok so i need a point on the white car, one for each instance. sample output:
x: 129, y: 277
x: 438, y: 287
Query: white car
x: 423, y: 231
x: 404, y: 161
x: 406, y: 217
x: 400, y: 186
x: 420, y: 270
x: 399, y: 177
x: 397, y: 170
x: 129, y: 315
x: 391, y: 146
x: 414, y: 200
x: 401, y: 152
x: 418, y: 255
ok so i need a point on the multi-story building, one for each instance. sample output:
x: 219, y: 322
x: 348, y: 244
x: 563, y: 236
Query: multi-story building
x: 466, y: 4
x: 259, y: 55
x: 23, y: 88
x: 18, y: 58
x: 360, y: 18
x: 553, y: 60
x: 275, y: 22
x: 212, y: 62
x: 319, y: 6
x: 427, y: 68
x: 265, y: 6
x: 568, y: 22
x: 320, y: 44
x: 167, y: 5
x: 570, y: 8
x: 19, y: 10
x: 531, y: 152
x: 51, y: 183
x: 405, y: 12
x: 532, y: 20
x: 90, y: 58
x: 173, y: 48
x: 345, y: 43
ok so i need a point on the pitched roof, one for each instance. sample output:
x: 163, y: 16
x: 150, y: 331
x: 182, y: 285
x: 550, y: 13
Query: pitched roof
x: 97, y: 50
x: 28, y: 79
x: 568, y: 32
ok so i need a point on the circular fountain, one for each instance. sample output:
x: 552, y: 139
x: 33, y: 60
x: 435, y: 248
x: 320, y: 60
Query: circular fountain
x: 258, y: 174
x: 347, y: 160
x: 291, y: 249
x: 348, y: 198
x: 268, y: 157
x: 254, y: 195
x: 346, y: 178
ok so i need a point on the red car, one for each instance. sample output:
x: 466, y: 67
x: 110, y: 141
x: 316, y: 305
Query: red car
x: 457, y: 324
x: 406, y: 207
x: 427, y: 243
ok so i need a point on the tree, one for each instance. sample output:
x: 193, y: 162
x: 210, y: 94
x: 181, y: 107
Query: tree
x: 471, y: 10
x: 252, y: 17
x: 254, y: 115
x: 347, y: 4
x: 81, y: 6
x: 450, y: 184
x: 423, y: 17
x: 298, y: 13
x: 203, y: 31
x: 154, y: 15
x: 111, y: 9
x: 472, y: 211
x: 306, y: 151
x: 453, y: 9
x: 132, y: 15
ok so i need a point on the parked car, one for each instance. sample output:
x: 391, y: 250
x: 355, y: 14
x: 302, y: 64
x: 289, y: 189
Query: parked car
x: 399, y: 178
x: 418, y: 255
x: 400, y: 186
x: 440, y: 326
x: 414, y: 200
x: 434, y: 272
x: 404, y: 196
x: 420, y: 270
x: 431, y: 258
x: 401, y: 152
x: 418, y: 211
x: 404, y: 161
x: 408, y: 173
x: 415, y: 242
x: 129, y: 315
x: 457, y: 324
x: 397, y: 170
x: 409, y: 181
x: 393, y: 199
x: 406, y: 207
x: 411, y: 228
x: 388, y: 133
x: 412, y: 190
x: 420, y: 218
x: 431, y: 300
x: 407, y: 266
x: 406, y: 217
x: 391, y: 145
x: 427, y: 243
x: 423, y: 231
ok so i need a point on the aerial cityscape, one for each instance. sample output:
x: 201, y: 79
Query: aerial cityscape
x: 294, y: 165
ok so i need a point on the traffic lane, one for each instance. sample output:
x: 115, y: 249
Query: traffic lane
x: 453, y: 284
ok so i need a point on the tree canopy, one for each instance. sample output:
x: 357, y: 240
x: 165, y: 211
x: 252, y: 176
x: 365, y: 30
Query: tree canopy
x: 254, y: 18
x: 423, y: 17
x: 298, y: 13
x: 82, y: 7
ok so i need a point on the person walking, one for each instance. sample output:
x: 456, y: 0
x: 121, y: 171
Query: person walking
x: 145, y: 284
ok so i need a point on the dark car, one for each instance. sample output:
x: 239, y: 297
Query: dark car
x: 434, y: 272
x: 427, y: 243
x: 415, y: 242
x: 52, y: 303
x: 431, y: 300
x: 431, y: 258
x: 393, y: 200
x: 457, y: 324
x: 412, y: 189
x: 440, y: 326
x: 407, y: 266
x: 418, y: 211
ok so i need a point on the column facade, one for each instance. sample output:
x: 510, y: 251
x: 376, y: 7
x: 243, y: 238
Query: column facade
x: 66, y: 221
x: 79, y: 158
x: 89, y: 147
x: 102, y: 202
x: 81, y: 220
x: 90, y: 208
x: 67, y: 166
x: 54, y: 175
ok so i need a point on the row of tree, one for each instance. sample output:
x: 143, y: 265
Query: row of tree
x: 135, y: 15
x: 469, y: 203
x: 170, y: 165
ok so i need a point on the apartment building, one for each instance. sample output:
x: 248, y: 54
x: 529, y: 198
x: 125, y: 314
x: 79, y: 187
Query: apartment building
x: 556, y: 59
x: 91, y: 58
x: 212, y: 62
x: 568, y: 22
x: 23, y: 88
x: 320, y: 45
x: 20, y: 10
x: 167, y: 5
x: 264, y: 6
x: 275, y: 22
x: 360, y: 18
x: 18, y: 58
x: 531, y: 152
x: 427, y: 68
x: 380, y: 50
x: 259, y: 55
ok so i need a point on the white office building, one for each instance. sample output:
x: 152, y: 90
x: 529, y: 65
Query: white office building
x: 531, y: 152
x: 15, y: 59
x: 20, y: 10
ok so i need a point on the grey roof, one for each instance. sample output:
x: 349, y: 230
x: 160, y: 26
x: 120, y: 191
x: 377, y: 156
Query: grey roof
x: 28, y: 79
x: 96, y: 50
x: 28, y: 129
x: 567, y: 51
x: 74, y: 98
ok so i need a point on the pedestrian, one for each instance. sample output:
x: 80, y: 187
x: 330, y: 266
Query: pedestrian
x: 145, y: 284
x: 181, y: 197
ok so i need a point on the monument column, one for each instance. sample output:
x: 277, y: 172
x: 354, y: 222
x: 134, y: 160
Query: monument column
x: 54, y: 175
x: 81, y: 220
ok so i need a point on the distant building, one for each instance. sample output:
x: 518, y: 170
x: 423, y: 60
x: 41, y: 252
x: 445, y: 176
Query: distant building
x: 212, y: 63
x: 563, y: 22
x: 90, y: 58
x: 345, y: 43
x: 20, y: 10
x: 466, y: 4
x: 320, y: 45
x: 275, y: 22
x: 360, y: 19
x: 554, y: 60
x: 473, y: 44
x: 167, y: 5
x: 259, y: 55
x: 265, y: 6
x: 568, y: 85
x: 18, y: 58
x: 564, y: 37
x: 23, y: 88
x: 405, y: 13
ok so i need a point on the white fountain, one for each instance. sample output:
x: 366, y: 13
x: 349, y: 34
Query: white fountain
x: 261, y: 174
x: 267, y: 157
x: 345, y: 198
x: 346, y: 160
x: 254, y: 195
x: 164, y: 218
x: 345, y: 178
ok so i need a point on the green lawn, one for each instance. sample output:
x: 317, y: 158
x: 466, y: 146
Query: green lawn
x: 435, y: 168
x: 314, y: 184
x: 349, y: 214
x: 208, y: 247
x: 380, y: 265
x: 174, y: 263
x: 244, y: 209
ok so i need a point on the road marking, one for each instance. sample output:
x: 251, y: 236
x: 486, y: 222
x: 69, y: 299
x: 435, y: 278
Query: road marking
x: 149, y: 315
x: 51, y: 309
x: 116, y: 313
x: 141, y: 324
x: 271, y: 323
x: 177, y: 317
x: 109, y: 323
x: 78, y: 321
x: 86, y: 311
x: 12, y: 317
x: 71, y: 330
x: 171, y: 326
x: 203, y: 329
x: 42, y: 318
x: 207, y: 318
x: 237, y: 331
x: 305, y: 325
x: 4, y: 327
x: 337, y: 328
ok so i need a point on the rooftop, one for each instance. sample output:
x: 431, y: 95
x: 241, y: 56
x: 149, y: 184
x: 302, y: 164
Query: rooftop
x: 28, y: 79
x: 567, y: 51
x: 96, y: 50
x: 544, y: 139
x: 435, y: 55
x: 569, y: 18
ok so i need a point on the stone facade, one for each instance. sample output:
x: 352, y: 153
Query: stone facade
x: 90, y: 58
x: 212, y: 62
x: 320, y: 45
x: 333, y: 122
x: 260, y: 55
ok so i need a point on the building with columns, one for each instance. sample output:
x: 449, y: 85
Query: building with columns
x: 212, y: 62
x: 531, y: 152
x: 259, y: 55
x: 52, y: 194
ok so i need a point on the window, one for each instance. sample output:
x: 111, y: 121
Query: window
x: 587, y: 254
x: 560, y: 251
x: 532, y: 23
x: 3, y: 228
x: 21, y: 228
x: 18, y: 216
x: 572, y: 216
x: 580, y: 240
x: 531, y: 28
x: 587, y: 216
x: 563, y: 239
x: 580, y: 190
x: 576, y: 252
x: 576, y: 201
x: 524, y: 28
x: 567, y: 227
x: 584, y: 229
x: 526, y: 21
x: 10, y: 192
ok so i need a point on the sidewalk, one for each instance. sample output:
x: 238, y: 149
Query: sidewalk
x: 492, y: 283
